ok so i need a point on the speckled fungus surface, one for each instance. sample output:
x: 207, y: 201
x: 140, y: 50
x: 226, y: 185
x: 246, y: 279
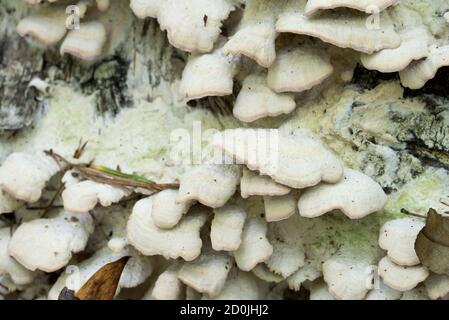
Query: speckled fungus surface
x: 229, y: 149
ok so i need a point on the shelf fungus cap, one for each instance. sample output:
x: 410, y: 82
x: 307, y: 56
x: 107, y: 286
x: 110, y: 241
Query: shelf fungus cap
x: 280, y: 207
x: 356, y: 195
x: 286, y: 259
x: 18, y: 273
x: 414, y: 46
x: 398, y: 238
x: 227, y: 228
x: 383, y: 292
x: 367, y: 6
x: 253, y: 184
x: 191, y: 25
x: 212, y: 185
x: 347, y: 279
x: 299, y: 69
x: 399, y: 277
x: 166, y: 211
x: 437, y: 286
x: 256, y: 33
x: 84, y: 196
x: 210, y: 74
x: 167, y: 285
x: 416, y: 75
x: 182, y: 241
x: 255, y: 247
x: 24, y: 176
x: 256, y: 100
x: 47, y: 26
x: 87, y: 42
x: 342, y: 29
x: 207, y: 274
x: 308, y: 272
x: 240, y: 286
x: 48, y: 244
x: 296, y: 159
x: 7, y: 203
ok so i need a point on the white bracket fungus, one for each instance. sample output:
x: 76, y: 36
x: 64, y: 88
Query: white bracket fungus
x: 418, y: 73
x: 182, y: 241
x: 367, y: 6
x: 307, y: 272
x: 227, y: 228
x: 24, y: 176
x: 256, y: 34
x: 209, y: 184
x: 345, y: 30
x: 47, y: 26
x: 286, y: 258
x: 299, y: 69
x: 7, y: 203
x: 398, y: 238
x: 253, y: 184
x: 210, y: 74
x: 48, y: 244
x: 256, y: 100
x: 208, y: 273
x: 192, y: 25
x: 240, y: 286
x: 84, y: 196
x: 383, y: 292
x: 279, y: 208
x: 347, y: 280
x: 414, y: 46
x: 166, y: 211
x: 295, y: 160
x: 87, y: 42
x: 356, y: 195
x: 167, y: 285
x: 255, y: 247
x: 18, y: 274
x: 399, y: 277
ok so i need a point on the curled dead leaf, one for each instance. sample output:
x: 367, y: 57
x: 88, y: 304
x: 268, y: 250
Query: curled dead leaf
x: 103, y: 284
x: 432, y: 243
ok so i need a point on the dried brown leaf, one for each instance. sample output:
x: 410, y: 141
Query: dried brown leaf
x: 103, y: 284
x: 432, y: 243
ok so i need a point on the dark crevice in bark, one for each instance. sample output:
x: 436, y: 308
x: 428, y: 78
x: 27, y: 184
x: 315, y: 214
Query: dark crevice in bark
x: 369, y: 79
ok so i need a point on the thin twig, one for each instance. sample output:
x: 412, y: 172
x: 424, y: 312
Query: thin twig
x: 405, y: 211
x: 113, y: 177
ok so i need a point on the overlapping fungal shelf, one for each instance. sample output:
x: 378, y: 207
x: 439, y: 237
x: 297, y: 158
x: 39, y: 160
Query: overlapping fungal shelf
x: 327, y: 145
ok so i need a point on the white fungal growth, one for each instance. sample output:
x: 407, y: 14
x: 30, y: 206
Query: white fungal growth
x: 299, y: 69
x: 295, y: 160
x: 84, y: 196
x: 398, y: 238
x: 48, y: 244
x: 166, y: 211
x: 211, y: 185
x: 24, y: 176
x: 346, y: 279
x: 356, y: 195
x: 227, y: 228
x: 255, y: 247
x: 279, y: 208
x: 253, y: 184
x: 183, y: 241
x: 193, y: 25
x: 256, y: 100
x: 8, y: 266
x: 207, y: 274
x: 399, y: 277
